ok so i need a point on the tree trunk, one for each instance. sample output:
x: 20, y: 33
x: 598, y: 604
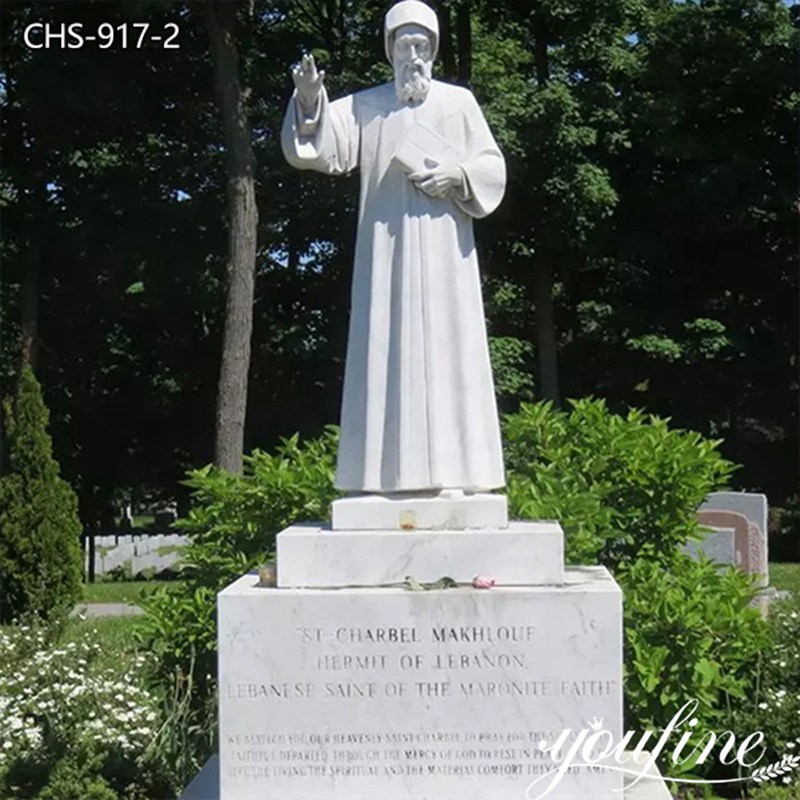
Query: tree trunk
x: 464, y: 33
x: 546, y: 343
x: 446, y: 53
x: 29, y: 302
x: 242, y: 223
x: 34, y: 216
x: 546, y: 339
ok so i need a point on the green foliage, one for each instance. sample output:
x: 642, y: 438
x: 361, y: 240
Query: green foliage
x: 501, y: 67
x: 690, y: 634
x: 116, y: 633
x: 772, y: 791
x: 656, y: 345
x: 698, y: 331
x: 772, y: 703
x: 512, y: 368
x: 511, y: 352
x: 593, y: 317
x: 626, y: 489
x: 77, y: 780
x: 621, y: 486
x: 40, y: 555
x: 703, y: 339
x: 232, y: 525
x: 187, y: 736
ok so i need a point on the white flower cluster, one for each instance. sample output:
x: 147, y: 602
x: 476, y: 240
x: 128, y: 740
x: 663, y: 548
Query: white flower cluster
x: 51, y: 694
x: 781, y: 701
x: 774, y: 701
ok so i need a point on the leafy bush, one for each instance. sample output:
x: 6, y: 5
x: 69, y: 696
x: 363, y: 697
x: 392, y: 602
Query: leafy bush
x: 40, y: 556
x: 690, y: 634
x: 72, y: 731
x: 618, y: 485
x: 232, y: 524
x: 626, y: 489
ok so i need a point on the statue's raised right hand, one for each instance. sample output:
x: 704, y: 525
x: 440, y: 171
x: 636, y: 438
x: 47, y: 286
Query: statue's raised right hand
x: 308, y: 82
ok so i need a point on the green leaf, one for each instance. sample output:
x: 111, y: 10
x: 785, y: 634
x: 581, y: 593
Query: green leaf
x: 444, y: 582
x: 135, y: 288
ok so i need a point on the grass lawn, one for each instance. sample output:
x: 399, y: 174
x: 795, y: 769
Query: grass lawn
x: 785, y: 576
x: 115, y: 635
x: 120, y: 591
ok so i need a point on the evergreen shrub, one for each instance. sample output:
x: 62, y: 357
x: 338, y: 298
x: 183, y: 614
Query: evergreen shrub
x: 40, y: 555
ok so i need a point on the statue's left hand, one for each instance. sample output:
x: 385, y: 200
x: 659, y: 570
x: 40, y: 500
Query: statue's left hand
x: 439, y: 181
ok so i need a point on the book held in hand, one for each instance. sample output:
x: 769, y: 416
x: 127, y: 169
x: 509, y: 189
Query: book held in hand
x: 423, y: 149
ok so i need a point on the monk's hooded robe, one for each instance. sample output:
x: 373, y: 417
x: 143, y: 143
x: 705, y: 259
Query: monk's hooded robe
x: 418, y: 409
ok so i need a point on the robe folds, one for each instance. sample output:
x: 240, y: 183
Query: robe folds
x: 418, y: 408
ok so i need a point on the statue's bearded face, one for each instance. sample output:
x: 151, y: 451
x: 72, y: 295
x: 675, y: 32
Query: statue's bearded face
x: 412, y: 58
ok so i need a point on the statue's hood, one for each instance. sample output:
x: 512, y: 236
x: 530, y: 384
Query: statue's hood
x: 410, y: 12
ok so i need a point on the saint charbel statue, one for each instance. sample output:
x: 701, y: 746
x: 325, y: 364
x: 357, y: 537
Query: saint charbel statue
x: 419, y: 410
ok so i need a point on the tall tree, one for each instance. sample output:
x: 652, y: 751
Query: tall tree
x: 128, y: 379
x: 550, y: 75
x: 242, y: 228
x: 708, y: 230
x: 542, y: 276
x: 26, y: 138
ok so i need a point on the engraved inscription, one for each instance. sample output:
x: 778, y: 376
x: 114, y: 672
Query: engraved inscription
x: 420, y: 665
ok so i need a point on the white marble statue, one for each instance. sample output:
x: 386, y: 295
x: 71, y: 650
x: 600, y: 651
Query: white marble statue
x: 419, y: 411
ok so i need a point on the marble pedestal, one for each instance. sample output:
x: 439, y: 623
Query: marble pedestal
x: 391, y: 694
x: 311, y: 555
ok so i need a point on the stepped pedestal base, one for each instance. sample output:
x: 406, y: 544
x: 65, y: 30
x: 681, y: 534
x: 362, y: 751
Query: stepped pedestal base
x: 524, y: 553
